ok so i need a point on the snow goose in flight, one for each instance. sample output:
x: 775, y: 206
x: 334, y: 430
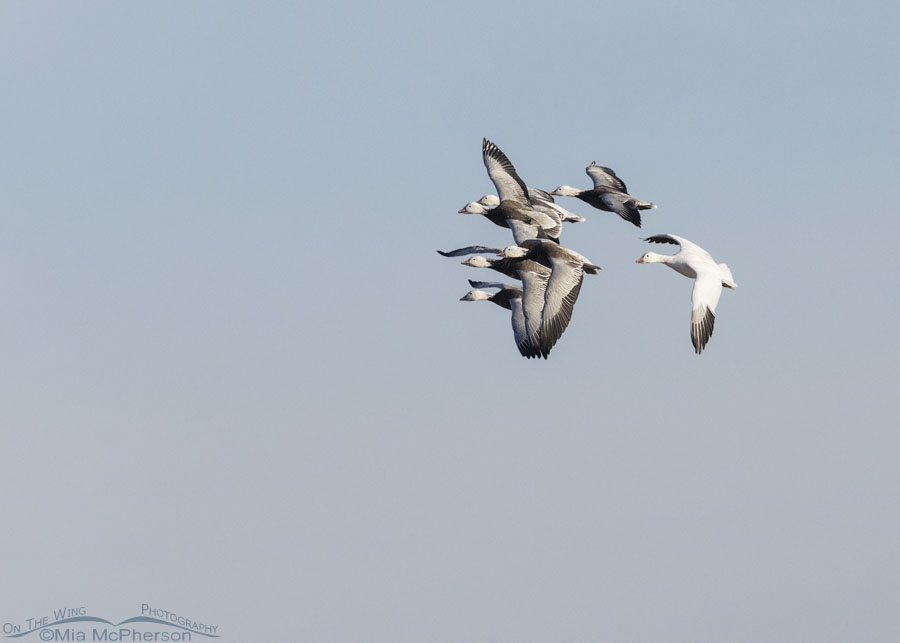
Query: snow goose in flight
x: 542, y: 201
x: 534, y: 276
x: 501, y: 266
x: 510, y: 297
x: 696, y: 263
x: 493, y: 215
x: 516, y: 207
x: 528, y: 227
x: 609, y: 193
x: 567, y: 269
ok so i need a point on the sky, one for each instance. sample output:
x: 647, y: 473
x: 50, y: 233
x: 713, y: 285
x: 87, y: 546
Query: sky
x: 239, y: 383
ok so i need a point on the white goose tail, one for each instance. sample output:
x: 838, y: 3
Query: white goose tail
x: 727, y: 278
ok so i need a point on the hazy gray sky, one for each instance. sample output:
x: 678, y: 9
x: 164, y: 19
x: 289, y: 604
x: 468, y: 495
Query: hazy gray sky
x: 239, y: 385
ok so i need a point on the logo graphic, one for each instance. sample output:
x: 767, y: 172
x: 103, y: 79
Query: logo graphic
x: 75, y: 624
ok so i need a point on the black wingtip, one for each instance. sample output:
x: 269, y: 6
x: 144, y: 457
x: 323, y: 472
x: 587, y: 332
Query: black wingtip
x: 659, y: 238
x: 634, y: 216
x: 702, y: 331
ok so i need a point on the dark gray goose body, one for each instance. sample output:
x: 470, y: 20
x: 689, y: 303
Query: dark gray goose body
x: 609, y: 193
x: 510, y: 297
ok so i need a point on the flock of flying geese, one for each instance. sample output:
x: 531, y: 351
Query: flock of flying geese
x: 551, y: 274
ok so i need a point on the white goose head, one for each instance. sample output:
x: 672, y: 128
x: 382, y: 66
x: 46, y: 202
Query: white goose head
x: 565, y: 190
x: 473, y: 207
x: 490, y: 200
x: 475, y: 295
x: 477, y: 262
x: 652, y: 257
x: 513, y: 251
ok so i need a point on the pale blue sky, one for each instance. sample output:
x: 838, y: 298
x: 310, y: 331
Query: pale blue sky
x: 238, y: 382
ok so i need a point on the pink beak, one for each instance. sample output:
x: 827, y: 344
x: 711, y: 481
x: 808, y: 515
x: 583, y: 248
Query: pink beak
x: 462, y: 210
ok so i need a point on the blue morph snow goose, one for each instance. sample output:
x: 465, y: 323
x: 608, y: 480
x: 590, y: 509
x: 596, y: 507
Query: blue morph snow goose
x: 516, y: 208
x: 534, y: 276
x: 609, y: 193
x: 541, y: 201
x: 510, y: 297
x: 560, y: 290
x: 696, y: 263
x: 535, y: 226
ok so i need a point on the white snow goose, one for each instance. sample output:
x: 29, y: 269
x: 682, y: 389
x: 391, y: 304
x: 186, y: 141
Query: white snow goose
x: 567, y: 269
x: 516, y: 207
x: 709, y: 277
x: 510, y: 297
x: 609, y: 193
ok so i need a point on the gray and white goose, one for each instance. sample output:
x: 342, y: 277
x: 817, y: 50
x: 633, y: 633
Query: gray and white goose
x: 510, y: 297
x: 527, y: 227
x: 534, y: 276
x: 541, y: 201
x: 609, y: 193
x: 516, y: 208
x: 709, y: 277
x: 561, y: 289
x: 494, y: 215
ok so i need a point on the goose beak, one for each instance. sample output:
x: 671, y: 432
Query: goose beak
x: 465, y: 262
x: 462, y: 298
x: 461, y: 211
x: 639, y: 260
